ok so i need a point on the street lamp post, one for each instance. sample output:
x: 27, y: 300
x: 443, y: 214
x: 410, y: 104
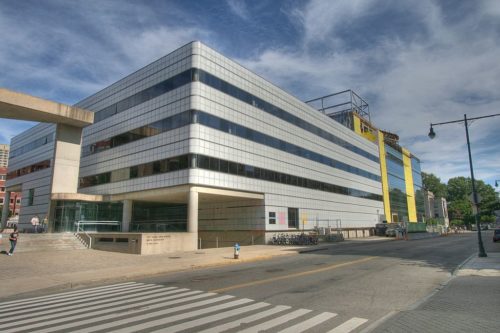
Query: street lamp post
x: 432, y: 134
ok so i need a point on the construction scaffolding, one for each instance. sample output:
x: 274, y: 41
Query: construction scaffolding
x: 340, y: 105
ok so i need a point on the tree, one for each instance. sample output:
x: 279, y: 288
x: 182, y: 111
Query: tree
x: 433, y: 184
x: 459, y: 188
x: 459, y: 192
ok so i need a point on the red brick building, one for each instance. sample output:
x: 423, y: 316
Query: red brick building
x: 15, y: 198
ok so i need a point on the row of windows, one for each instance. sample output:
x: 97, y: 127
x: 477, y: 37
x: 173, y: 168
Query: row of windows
x: 137, y: 171
x: 210, y: 163
x: 267, y: 107
x: 267, y: 140
x: 223, y: 86
x: 145, y: 95
x: 29, y: 169
x: 32, y: 145
x: 220, y: 124
x: 160, y: 126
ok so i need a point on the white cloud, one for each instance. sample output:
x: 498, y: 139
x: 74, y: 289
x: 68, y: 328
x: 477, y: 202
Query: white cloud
x: 239, y: 8
x: 441, y: 74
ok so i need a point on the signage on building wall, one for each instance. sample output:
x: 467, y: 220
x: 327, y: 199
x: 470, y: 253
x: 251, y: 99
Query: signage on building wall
x: 281, y: 218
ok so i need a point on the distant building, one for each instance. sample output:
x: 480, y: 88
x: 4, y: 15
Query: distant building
x: 436, y: 208
x: 15, y: 198
x: 4, y: 155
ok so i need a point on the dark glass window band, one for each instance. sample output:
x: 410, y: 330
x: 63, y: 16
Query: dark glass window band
x: 206, y: 119
x: 196, y: 74
x: 267, y: 140
x: 29, y: 169
x: 160, y: 126
x: 218, y: 165
x: 32, y: 145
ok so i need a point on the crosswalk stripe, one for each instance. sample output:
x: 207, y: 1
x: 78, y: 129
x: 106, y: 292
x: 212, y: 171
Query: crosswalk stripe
x: 163, y: 321
x: 77, y: 309
x: 349, y: 325
x: 70, y: 293
x: 106, y: 295
x: 206, y: 320
x: 96, y: 316
x: 307, y: 324
x: 132, y: 307
x: 245, y: 320
x: 276, y: 321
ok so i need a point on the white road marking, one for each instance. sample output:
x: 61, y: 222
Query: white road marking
x: 307, y: 324
x: 349, y: 325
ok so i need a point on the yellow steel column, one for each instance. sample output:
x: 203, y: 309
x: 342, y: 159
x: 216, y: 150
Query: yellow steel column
x: 385, y: 180
x: 410, y: 191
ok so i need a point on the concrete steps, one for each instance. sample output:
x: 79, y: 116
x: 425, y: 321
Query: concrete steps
x: 43, y: 242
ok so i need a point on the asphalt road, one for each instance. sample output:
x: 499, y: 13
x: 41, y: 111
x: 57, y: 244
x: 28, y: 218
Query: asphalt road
x: 366, y: 280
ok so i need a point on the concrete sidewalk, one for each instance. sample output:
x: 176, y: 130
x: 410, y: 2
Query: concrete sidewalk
x: 29, y: 271
x: 468, y: 302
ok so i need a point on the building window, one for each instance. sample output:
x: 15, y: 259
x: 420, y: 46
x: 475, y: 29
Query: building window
x: 31, y: 196
x: 272, y: 217
x: 293, y: 217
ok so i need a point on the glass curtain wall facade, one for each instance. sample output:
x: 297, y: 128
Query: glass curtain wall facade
x: 68, y: 213
x: 419, y: 192
x: 404, y: 180
x: 397, y: 185
x: 158, y: 217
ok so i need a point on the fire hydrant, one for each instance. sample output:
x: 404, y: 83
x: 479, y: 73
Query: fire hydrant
x: 236, y: 251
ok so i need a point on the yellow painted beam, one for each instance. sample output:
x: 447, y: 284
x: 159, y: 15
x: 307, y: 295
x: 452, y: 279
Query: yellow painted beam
x: 410, y: 191
x: 385, y: 179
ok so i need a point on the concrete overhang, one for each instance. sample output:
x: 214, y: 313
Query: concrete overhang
x: 78, y: 197
x: 14, y: 105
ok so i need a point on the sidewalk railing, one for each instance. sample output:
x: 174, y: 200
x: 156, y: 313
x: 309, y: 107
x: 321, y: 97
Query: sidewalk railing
x: 80, y: 230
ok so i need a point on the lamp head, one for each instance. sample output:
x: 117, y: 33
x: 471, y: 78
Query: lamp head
x: 432, y: 134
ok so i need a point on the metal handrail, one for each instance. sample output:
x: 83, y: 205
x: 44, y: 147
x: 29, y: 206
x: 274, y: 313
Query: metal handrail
x: 82, y: 223
x: 79, y: 229
x: 87, y: 244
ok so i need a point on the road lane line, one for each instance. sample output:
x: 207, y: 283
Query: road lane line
x: 307, y: 324
x: 64, y: 295
x: 182, y: 316
x: 92, y: 306
x: 210, y: 319
x: 289, y: 276
x: 276, y: 321
x: 349, y: 325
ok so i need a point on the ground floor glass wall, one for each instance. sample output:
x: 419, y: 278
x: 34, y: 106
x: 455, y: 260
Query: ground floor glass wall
x: 158, y: 217
x: 68, y: 213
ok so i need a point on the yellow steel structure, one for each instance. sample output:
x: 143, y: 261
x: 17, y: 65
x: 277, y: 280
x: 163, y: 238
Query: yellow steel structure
x: 410, y: 191
x: 364, y: 128
x: 385, y: 180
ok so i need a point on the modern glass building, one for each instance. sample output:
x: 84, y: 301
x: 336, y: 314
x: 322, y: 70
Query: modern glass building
x: 400, y: 170
x: 195, y: 143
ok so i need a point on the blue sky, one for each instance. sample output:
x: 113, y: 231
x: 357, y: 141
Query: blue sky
x: 415, y: 62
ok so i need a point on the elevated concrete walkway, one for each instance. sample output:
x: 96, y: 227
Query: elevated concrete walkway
x: 15, y: 105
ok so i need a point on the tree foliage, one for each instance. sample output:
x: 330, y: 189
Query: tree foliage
x: 433, y: 184
x: 458, y: 194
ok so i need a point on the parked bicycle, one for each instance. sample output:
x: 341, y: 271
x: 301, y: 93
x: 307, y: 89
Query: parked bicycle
x: 295, y: 239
